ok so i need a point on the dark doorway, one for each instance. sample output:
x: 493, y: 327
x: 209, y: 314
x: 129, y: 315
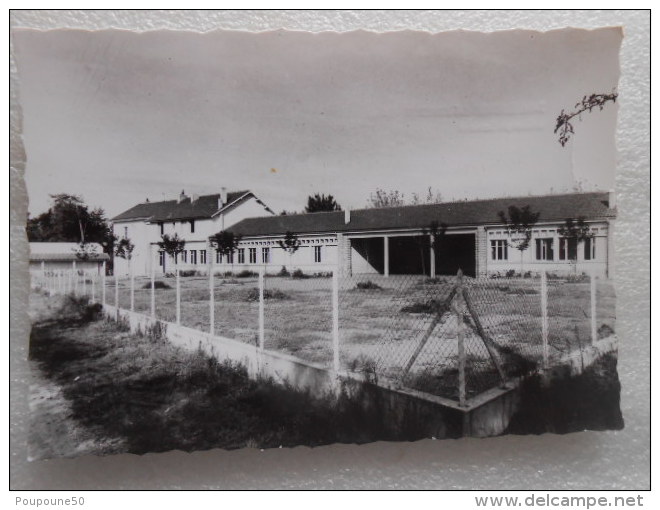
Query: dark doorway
x: 456, y: 251
x: 410, y: 255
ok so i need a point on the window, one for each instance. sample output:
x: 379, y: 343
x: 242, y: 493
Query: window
x: 317, y: 253
x: 230, y: 258
x: 192, y: 226
x: 590, y: 248
x: 567, y: 248
x: 125, y: 232
x: 544, y: 249
x: 499, y: 250
x: 253, y: 255
x: 184, y: 256
x: 162, y: 227
x: 241, y: 255
x: 193, y: 256
x: 161, y: 258
x: 265, y: 255
x: 218, y: 257
x: 202, y: 256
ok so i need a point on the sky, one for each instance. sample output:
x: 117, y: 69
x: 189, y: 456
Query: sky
x: 118, y: 117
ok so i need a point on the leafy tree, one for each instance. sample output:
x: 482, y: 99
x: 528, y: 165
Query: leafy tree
x: 225, y: 242
x: 85, y: 251
x: 574, y: 232
x: 321, y: 203
x: 69, y: 220
x: 290, y: 244
x: 588, y: 103
x: 172, y: 246
x: 124, y: 248
x: 519, y: 224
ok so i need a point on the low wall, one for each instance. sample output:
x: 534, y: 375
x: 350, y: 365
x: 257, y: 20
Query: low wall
x: 401, y: 409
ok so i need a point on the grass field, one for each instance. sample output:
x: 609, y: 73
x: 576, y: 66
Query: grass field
x: 382, y: 323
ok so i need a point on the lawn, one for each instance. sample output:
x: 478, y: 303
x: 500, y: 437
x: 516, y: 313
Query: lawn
x: 98, y: 389
x: 382, y: 320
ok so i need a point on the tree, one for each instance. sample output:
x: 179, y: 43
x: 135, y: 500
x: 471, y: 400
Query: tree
x: 69, y: 219
x: 519, y: 224
x: 394, y: 198
x: 321, y: 203
x: 85, y: 251
x: 123, y: 248
x: 431, y: 238
x: 172, y: 246
x: 574, y: 232
x: 382, y: 198
x: 225, y: 242
x: 290, y: 244
x: 588, y: 103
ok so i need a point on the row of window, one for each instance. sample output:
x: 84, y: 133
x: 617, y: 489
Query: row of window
x: 545, y: 249
x: 190, y: 256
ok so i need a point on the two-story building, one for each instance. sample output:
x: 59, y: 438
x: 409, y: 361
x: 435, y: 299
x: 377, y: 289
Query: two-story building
x: 193, y: 218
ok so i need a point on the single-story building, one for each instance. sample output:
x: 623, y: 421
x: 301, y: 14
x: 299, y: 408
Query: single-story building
x: 395, y: 240
x: 51, y: 258
x: 386, y: 241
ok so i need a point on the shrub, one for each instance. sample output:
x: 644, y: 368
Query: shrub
x: 511, y: 273
x: 158, y: 284
x: 246, y: 273
x: 430, y: 307
x: 189, y: 272
x: 283, y: 272
x: 299, y: 274
x: 253, y: 294
x: 368, y: 285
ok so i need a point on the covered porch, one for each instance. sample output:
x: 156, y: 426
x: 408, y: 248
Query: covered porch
x: 413, y: 253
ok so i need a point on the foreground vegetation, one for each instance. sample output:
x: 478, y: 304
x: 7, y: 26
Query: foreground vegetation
x: 148, y: 396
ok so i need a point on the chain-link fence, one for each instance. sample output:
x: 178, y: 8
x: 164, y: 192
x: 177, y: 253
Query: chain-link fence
x: 452, y: 336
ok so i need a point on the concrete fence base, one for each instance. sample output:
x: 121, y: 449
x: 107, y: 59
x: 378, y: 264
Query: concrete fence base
x: 401, y: 409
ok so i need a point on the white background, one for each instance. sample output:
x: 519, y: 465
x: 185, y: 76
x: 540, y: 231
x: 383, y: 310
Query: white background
x: 587, y: 460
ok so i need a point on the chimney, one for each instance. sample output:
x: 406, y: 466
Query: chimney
x: 182, y: 197
x: 222, y: 199
x: 347, y: 216
x: 611, y: 199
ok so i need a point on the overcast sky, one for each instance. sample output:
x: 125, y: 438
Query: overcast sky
x: 118, y: 117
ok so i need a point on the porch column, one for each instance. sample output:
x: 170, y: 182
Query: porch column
x: 386, y: 255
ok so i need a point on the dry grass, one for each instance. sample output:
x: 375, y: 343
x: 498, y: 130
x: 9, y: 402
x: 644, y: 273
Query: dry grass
x: 385, y: 324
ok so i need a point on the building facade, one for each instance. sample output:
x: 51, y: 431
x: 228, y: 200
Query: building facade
x: 193, y: 218
x: 398, y: 240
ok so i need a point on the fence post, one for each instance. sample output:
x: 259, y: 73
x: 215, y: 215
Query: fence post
x: 544, y: 318
x: 178, y: 296
x: 93, y: 289
x: 84, y: 285
x: 335, y: 321
x: 460, y: 339
x: 262, y: 333
x: 116, y: 291
x: 130, y: 264
x: 211, y: 298
x: 74, y: 277
x: 103, y: 285
x: 594, y: 329
x: 153, y: 291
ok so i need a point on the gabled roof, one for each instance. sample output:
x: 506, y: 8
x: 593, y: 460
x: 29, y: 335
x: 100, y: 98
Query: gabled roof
x: 205, y: 206
x: 65, y: 252
x: 454, y: 214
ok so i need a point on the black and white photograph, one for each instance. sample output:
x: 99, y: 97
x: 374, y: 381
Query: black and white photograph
x: 280, y: 239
